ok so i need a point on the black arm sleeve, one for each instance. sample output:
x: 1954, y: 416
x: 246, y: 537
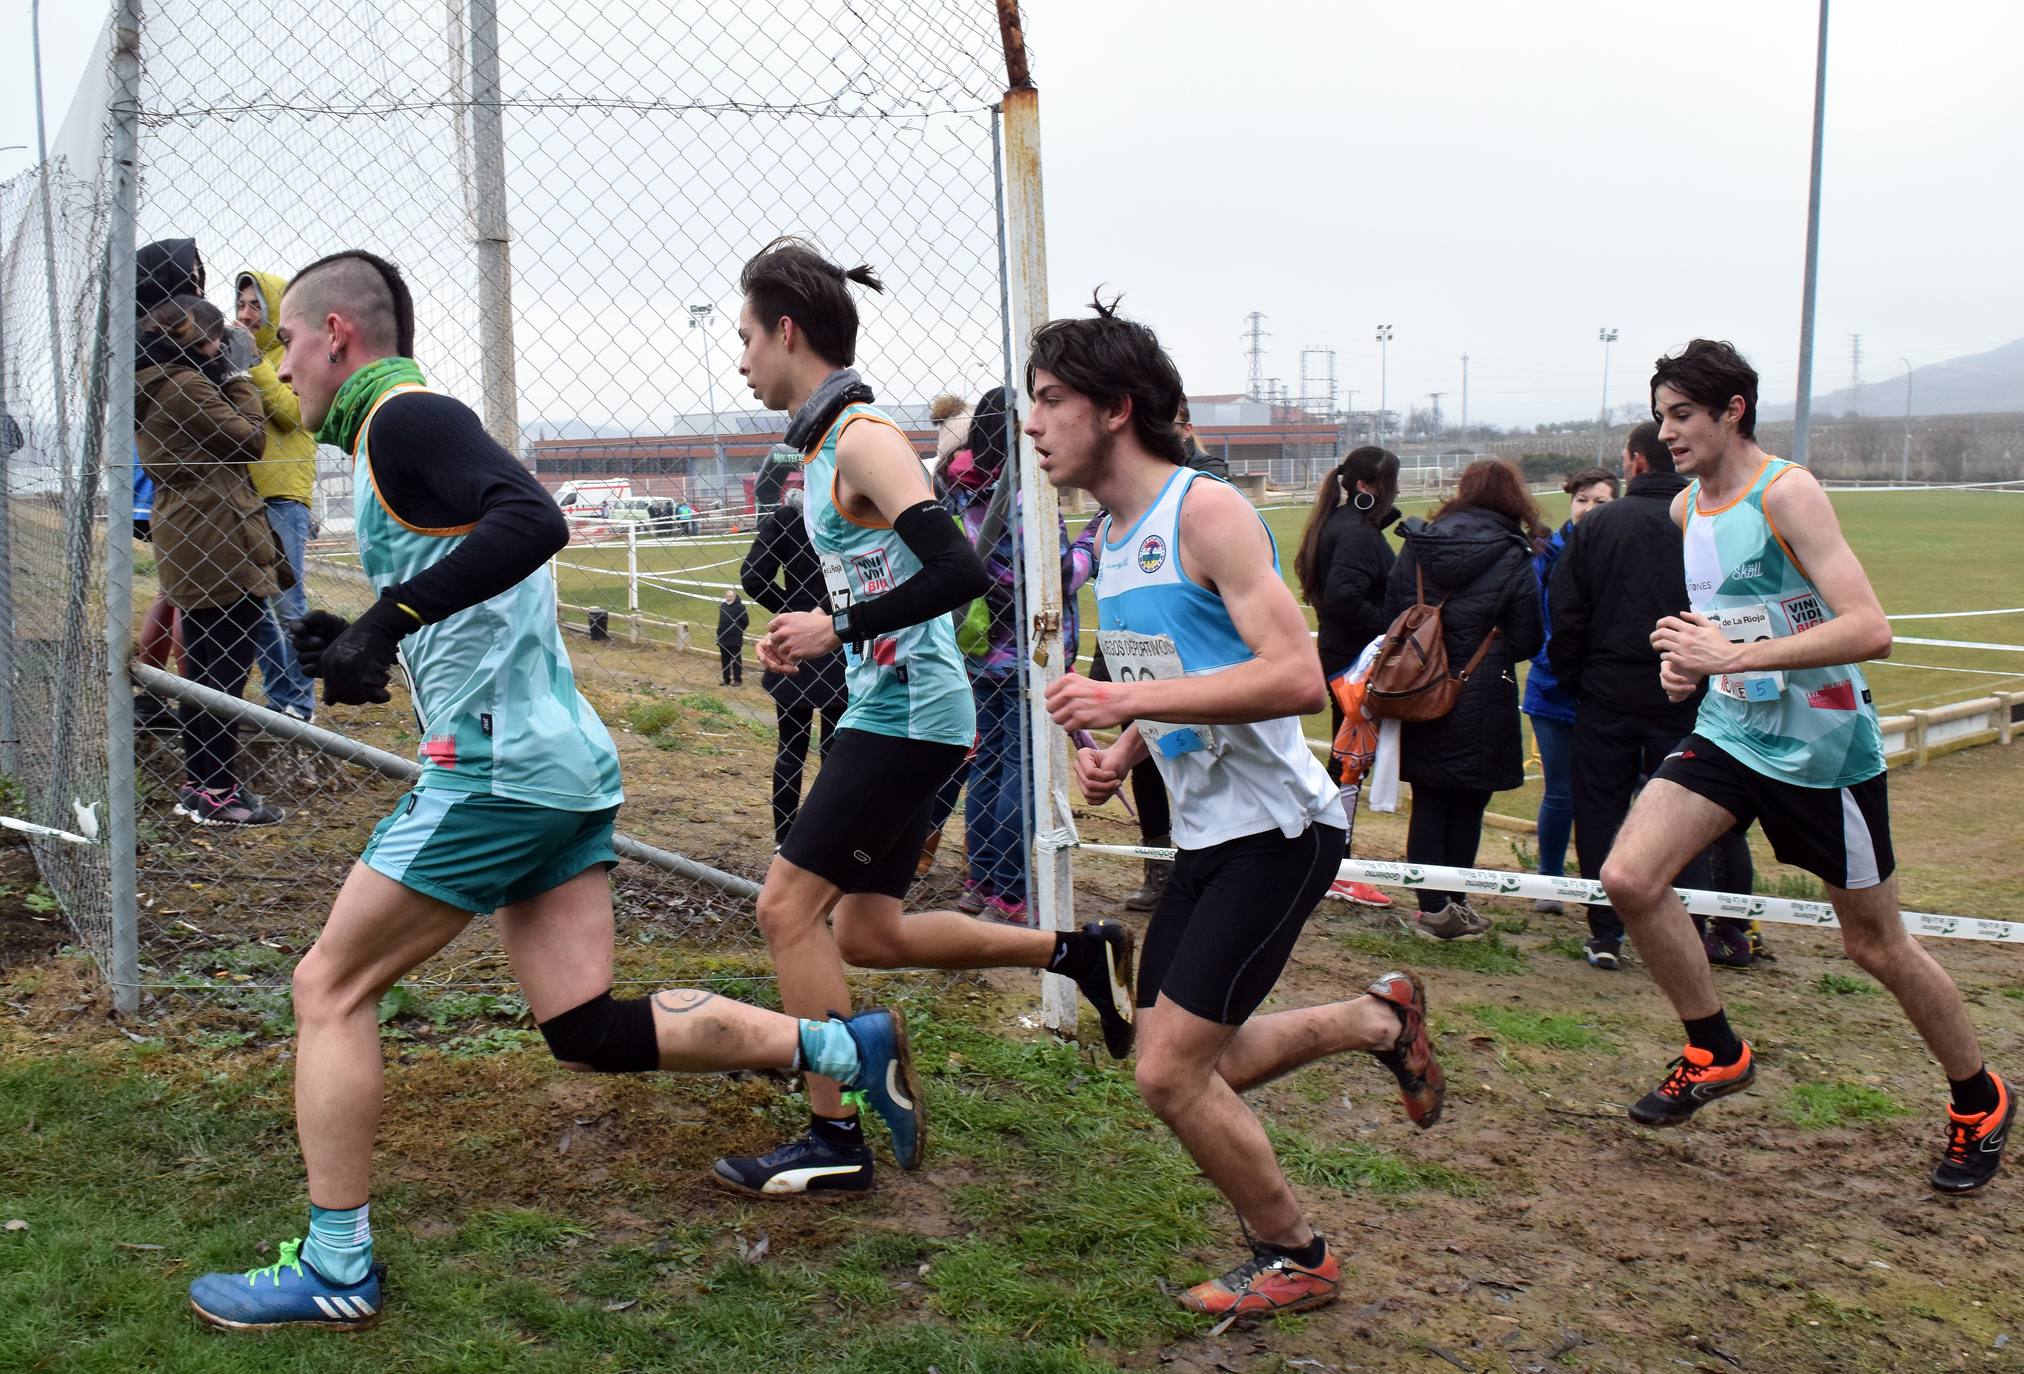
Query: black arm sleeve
x: 436, y: 468
x: 762, y: 567
x: 951, y: 575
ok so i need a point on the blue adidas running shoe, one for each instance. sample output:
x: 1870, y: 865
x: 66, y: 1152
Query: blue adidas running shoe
x: 286, y: 1293
x: 886, y: 1077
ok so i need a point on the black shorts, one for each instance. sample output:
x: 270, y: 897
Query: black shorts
x: 1229, y: 917
x: 864, y: 821
x: 1841, y: 835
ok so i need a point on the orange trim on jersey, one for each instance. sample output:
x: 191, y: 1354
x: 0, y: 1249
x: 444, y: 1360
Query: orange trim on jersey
x: 1748, y: 487
x: 1772, y: 525
x: 836, y: 430
x: 365, y: 452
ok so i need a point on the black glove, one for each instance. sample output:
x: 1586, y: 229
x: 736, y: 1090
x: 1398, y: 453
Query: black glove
x: 311, y: 635
x: 355, y: 665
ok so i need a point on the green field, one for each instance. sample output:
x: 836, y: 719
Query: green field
x: 1925, y: 551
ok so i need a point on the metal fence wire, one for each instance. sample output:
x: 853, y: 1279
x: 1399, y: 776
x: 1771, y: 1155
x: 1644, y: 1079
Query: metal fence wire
x: 570, y: 192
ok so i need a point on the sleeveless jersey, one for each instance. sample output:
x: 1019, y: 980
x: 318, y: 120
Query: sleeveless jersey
x: 1813, y: 727
x: 909, y: 683
x: 1227, y: 781
x: 494, y: 696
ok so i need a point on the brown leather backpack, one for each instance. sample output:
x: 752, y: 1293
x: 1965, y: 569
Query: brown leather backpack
x: 1410, y: 680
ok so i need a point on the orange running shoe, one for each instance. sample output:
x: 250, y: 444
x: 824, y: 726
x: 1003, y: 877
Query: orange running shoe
x: 1363, y: 894
x: 1975, y: 1144
x: 1422, y: 1086
x: 1265, y: 1285
x: 1695, y: 1081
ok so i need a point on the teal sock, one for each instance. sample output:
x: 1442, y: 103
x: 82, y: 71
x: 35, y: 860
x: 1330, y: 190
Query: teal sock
x: 340, y: 1243
x: 826, y: 1048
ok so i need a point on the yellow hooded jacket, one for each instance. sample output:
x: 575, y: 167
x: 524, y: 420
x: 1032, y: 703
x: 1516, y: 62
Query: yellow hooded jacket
x: 288, y: 469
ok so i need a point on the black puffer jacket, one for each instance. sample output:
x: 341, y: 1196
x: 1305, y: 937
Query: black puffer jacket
x: 1482, y: 563
x: 1354, y: 562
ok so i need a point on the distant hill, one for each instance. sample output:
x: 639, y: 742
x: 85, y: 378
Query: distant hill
x: 1981, y: 384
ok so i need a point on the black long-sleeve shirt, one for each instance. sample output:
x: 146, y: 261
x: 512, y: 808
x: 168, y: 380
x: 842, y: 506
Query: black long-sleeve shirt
x: 781, y: 571
x: 436, y: 468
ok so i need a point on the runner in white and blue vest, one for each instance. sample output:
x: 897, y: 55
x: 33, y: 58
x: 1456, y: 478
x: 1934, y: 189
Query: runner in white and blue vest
x: 1212, y: 670
x: 512, y: 813
x: 1782, y: 615
x: 895, y: 565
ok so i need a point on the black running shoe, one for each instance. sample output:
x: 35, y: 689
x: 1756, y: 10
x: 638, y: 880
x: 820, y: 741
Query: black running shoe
x: 1695, y: 1081
x: 1108, y: 984
x: 807, y: 1167
x: 1975, y: 1144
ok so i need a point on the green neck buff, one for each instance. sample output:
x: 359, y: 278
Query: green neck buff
x: 354, y: 400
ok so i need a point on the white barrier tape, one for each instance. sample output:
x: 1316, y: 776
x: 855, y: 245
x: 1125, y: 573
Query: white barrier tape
x: 1956, y: 615
x: 1996, y: 674
x: 47, y: 831
x: 1495, y: 882
x: 1960, y: 644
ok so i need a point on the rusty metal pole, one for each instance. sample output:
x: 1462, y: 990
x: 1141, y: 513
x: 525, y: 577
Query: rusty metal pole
x: 1037, y: 516
x: 493, y: 231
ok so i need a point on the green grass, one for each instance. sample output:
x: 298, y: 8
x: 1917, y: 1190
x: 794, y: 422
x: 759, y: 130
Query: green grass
x: 1365, y: 1168
x: 1846, y: 985
x: 1491, y: 954
x: 1817, y: 1106
x: 1521, y: 1027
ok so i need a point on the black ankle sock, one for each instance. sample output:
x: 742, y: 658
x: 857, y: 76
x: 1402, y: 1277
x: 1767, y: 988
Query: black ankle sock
x: 837, y: 1132
x: 1712, y: 1033
x: 1975, y: 1094
x: 1075, y: 953
x: 1307, y: 1256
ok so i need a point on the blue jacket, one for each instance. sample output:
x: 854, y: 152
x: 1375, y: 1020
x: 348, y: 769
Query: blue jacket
x: 1543, y: 695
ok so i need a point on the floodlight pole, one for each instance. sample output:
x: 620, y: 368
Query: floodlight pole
x: 1036, y: 515
x: 1905, y: 464
x: 1605, y: 336
x: 1802, y: 410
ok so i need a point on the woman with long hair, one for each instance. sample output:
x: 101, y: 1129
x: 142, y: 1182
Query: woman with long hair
x: 1548, y: 705
x: 1473, y: 558
x: 1342, y: 565
x: 199, y: 425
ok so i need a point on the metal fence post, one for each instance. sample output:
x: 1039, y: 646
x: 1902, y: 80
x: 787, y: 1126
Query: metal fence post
x: 124, y: 975
x: 493, y: 229
x: 1052, y: 893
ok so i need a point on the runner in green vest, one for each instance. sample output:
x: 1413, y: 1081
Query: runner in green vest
x: 1787, y: 736
x: 895, y: 565
x: 513, y: 811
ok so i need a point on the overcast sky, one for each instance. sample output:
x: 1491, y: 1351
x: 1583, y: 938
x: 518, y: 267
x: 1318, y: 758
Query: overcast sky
x: 1493, y: 179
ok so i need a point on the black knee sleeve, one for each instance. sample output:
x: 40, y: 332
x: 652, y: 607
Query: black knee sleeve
x: 608, y: 1035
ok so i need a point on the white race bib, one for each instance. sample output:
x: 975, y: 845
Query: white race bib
x: 1133, y: 657
x: 1748, y: 625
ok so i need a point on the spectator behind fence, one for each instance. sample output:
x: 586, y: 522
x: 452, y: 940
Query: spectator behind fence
x: 732, y: 618
x: 285, y: 478
x: 996, y: 810
x: 1342, y: 565
x: 1548, y: 706
x: 200, y: 427
x: 163, y: 270
x: 1148, y: 791
x: 782, y: 573
x: 1622, y: 569
x: 1475, y: 558
x: 951, y: 415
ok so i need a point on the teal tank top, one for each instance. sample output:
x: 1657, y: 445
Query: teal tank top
x: 495, y: 699
x: 909, y: 683
x: 1814, y: 727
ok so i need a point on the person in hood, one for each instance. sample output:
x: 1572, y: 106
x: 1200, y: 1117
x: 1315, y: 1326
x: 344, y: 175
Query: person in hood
x: 199, y: 427
x: 284, y: 477
x: 1475, y: 556
x: 163, y: 270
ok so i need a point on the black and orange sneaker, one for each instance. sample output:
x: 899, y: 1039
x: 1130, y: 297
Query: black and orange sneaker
x: 1975, y: 1144
x: 1696, y: 1080
x: 1422, y: 1086
x: 1265, y: 1285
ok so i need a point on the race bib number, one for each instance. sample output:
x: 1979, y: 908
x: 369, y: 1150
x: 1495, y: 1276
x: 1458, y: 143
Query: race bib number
x: 1139, y: 658
x: 837, y: 582
x: 1748, y: 625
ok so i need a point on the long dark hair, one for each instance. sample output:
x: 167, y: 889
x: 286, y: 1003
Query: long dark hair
x: 1494, y: 484
x: 173, y: 333
x: 1369, y: 463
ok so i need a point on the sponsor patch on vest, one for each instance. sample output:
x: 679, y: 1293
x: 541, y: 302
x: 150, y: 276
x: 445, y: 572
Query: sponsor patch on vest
x: 874, y: 574
x: 1834, y: 696
x: 1804, y: 612
x: 1152, y: 553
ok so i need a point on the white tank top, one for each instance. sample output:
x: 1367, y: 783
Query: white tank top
x: 1227, y: 781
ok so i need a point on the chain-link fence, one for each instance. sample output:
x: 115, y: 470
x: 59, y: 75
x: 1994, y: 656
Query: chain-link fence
x: 570, y: 192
